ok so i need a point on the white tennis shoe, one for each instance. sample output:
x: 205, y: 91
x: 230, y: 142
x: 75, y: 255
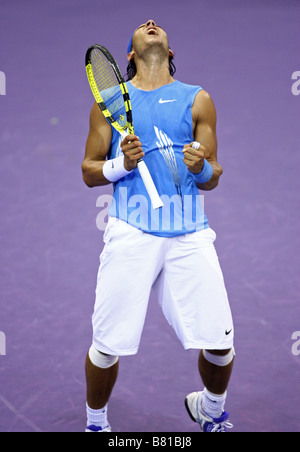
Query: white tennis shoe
x: 193, y: 404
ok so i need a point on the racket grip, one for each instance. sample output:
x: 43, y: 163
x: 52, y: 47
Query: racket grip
x: 149, y: 184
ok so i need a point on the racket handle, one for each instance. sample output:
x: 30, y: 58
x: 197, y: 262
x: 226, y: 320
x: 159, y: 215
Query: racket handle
x: 149, y: 184
x: 148, y: 181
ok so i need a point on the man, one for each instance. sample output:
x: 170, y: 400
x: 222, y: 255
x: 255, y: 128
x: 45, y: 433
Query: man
x: 174, y: 252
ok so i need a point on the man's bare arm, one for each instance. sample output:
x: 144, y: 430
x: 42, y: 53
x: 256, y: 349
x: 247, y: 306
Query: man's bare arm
x: 97, y: 147
x: 204, y: 119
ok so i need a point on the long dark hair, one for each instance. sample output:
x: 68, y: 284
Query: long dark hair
x: 131, y: 69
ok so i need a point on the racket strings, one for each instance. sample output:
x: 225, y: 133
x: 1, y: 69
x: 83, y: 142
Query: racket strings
x: 109, y: 88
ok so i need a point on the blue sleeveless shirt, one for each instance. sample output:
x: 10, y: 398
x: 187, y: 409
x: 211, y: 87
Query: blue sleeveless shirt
x: 162, y: 119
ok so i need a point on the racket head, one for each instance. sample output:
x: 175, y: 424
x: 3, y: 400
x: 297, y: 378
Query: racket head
x: 109, y: 89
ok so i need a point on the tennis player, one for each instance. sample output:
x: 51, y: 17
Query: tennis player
x: 170, y: 249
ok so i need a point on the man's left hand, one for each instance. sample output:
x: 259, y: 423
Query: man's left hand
x: 194, y: 158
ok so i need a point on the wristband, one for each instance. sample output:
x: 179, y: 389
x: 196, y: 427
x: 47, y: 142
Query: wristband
x: 114, y: 169
x: 206, y: 173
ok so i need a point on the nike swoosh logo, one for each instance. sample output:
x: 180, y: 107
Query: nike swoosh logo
x: 228, y: 332
x: 161, y: 101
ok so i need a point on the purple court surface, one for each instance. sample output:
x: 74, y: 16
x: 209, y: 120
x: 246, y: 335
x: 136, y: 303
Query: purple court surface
x: 245, y: 53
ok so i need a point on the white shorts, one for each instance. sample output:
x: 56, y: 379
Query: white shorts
x: 186, y: 276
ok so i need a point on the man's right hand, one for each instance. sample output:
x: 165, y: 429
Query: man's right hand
x: 132, y: 150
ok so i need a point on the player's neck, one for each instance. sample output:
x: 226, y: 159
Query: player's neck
x: 148, y: 83
x: 152, y: 76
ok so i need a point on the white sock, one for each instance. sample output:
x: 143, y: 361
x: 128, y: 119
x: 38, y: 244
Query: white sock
x: 213, y: 404
x: 97, y: 417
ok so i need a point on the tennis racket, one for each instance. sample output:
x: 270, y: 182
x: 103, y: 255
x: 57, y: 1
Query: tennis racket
x: 111, y: 94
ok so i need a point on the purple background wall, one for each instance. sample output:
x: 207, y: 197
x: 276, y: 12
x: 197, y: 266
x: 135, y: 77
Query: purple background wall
x: 244, y: 53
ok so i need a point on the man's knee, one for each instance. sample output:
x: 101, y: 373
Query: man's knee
x: 101, y: 360
x: 220, y: 358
